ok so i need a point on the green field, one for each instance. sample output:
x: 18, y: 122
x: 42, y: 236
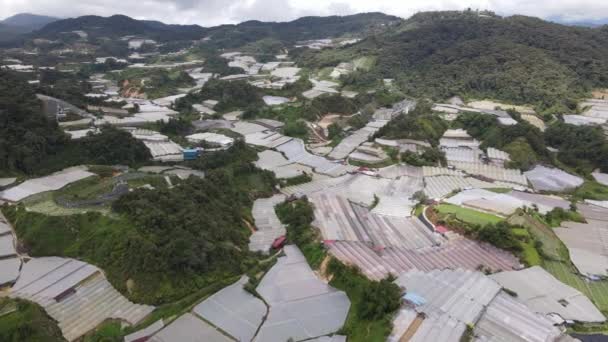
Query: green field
x: 592, y: 190
x: 468, y: 215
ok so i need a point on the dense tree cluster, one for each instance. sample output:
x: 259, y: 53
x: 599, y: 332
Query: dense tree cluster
x: 32, y: 143
x: 165, y: 242
x: 231, y: 96
x: 499, y: 235
x: 27, y: 137
x: 419, y: 124
x: 524, y: 142
x: 518, y: 59
x: 28, y: 322
x: 380, y: 298
x: 582, y: 147
x: 298, y: 216
x: 429, y: 157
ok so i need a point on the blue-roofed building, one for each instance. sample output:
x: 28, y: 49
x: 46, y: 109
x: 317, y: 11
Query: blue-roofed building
x: 414, y: 298
x: 190, y: 153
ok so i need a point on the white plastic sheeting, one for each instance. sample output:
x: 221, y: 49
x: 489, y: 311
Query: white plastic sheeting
x: 189, y: 328
x: 550, y: 179
x: 587, y: 244
x: 268, y: 225
x: 52, y: 182
x: 544, y: 294
x: 463, y: 294
x: 295, y: 152
x: 9, y: 270
x: 339, y: 219
x: 505, y: 319
x: 350, y: 143
x: 301, y: 305
x: 440, y: 186
x: 282, y: 168
x: 92, y: 299
x: 234, y: 310
x: 7, y: 247
x: 601, y: 178
x: 492, y: 172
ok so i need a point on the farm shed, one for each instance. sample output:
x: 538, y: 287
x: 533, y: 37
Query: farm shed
x: 587, y: 244
x: 440, y: 186
x: 462, y: 154
x: 269, y: 123
x: 189, y: 328
x: 358, y: 137
x: 492, y: 172
x: 234, y: 310
x: 5, y: 228
x: 550, y: 179
x: 454, y: 299
x: 601, y: 178
x: 274, y: 100
x: 5, y: 182
x: 506, y: 319
x: 9, y: 270
x: 457, y: 253
x: 544, y: 203
x: 301, y: 305
x: 165, y: 151
x: 544, y: 294
x: 400, y: 170
x: 268, y: 225
x: 463, y: 294
x: 145, y: 333
x: 267, y: 139
x: 75, y: 294
x: 295, y: 152
x: 339, y: 219
x: 211, y: 138
x: 245, y: 128
x: 52, y: 182
x: 593, y: 212
x: 7, y: 246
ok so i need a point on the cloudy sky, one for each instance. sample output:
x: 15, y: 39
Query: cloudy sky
x: 214, y: 12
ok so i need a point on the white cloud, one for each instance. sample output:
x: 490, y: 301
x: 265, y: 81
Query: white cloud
x: 214, y: 12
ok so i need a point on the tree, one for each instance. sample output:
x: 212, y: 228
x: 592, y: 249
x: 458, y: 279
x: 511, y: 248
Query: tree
x: 379, y: 299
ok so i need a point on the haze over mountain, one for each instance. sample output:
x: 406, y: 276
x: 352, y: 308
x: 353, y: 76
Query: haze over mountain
x: 29, y: 22
x: 17, y: 24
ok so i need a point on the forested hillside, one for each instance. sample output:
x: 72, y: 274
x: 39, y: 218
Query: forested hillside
x: 31, y: 143
x: 517, y: 59
x: 233, y: 36
x: 26, y: 136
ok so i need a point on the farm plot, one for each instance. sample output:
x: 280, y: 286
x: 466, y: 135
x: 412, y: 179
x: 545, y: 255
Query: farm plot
x: 468, y: 215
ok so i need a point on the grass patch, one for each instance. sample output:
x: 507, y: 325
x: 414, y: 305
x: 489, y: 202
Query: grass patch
x: 468, y: 215
x: 108, y: 331
x: 529, y: 254
x: 592, y: 190
x: 499, y: 190
x: 21, y: 320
